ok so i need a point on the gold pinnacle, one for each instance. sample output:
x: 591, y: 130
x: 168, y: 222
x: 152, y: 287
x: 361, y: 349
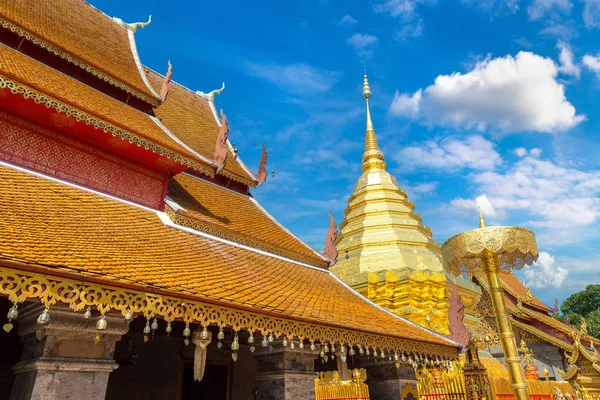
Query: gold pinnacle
x: 373, y: 156
x: 481, y: 221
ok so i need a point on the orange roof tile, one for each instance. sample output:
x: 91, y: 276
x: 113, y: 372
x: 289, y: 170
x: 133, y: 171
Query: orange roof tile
x: 239, y: 216
x: 37, y: 76
x: 190, y: 117
x: 91, y: 234
x: 75, y: 27
x: 512, y: 284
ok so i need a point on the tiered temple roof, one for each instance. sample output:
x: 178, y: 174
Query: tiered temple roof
x: 83, y: 36
x: 74, y: 230
x: 185, y: 114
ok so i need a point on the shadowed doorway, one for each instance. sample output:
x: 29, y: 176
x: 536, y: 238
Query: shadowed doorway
x: 214, y: 386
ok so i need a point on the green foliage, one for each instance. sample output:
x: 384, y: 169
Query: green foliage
x: 584, y: 304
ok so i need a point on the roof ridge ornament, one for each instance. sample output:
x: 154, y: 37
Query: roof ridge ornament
x: 133, y: 26
x: 220, y: 156
x: 142, y: 25
x: 211, y: 95
x: 330, y: 249
x: 164, y: 90
x: 262, y: 169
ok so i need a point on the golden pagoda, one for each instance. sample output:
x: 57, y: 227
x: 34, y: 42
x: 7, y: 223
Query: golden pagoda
x: 386, y: 252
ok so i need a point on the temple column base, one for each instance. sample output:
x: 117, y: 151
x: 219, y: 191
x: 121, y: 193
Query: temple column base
x: 61, y: 378
x: 386, y: 382
x: 284, y: 374
x: 477, y: 382
x: 66, y: 363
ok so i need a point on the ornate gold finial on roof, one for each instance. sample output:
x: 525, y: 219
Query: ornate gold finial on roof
x: 583, y: 328
x: 481, y: 221
x: 372, y: 157
x: 142, y: 25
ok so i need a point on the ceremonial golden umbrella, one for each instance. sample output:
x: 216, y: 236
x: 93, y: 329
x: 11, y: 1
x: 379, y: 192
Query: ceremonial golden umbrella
x: 485, y: 252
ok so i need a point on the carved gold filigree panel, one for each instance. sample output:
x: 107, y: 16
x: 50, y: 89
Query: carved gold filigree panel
x: 20, y: 286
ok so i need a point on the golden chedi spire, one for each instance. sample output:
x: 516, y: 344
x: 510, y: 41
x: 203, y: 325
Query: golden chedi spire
x: 372, y: 157
x: 481, y: 221
x: 386, y: 253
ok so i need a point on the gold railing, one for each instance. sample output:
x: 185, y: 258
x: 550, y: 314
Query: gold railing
x: 328, y: 386
x: 438, y: 385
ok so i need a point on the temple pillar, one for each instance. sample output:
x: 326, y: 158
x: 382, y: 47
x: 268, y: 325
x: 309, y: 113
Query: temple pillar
x: 386, y: 382
x: 65, y: 364
x: 285, y: 374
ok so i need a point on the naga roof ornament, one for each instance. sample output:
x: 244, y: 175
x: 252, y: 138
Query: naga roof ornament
x: 164, y: 90
x: 221, y: 152
x: 262, y: 169
x: 330, y: 250
x: 211, y: 95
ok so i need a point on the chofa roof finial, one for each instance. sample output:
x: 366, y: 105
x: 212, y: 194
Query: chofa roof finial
x: 211, y: 95
x: 142, y: 25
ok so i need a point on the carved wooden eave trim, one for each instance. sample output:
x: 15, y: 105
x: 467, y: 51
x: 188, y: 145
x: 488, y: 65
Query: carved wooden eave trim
x: 77, y: 62
x: 21, y: 283
x: 88, y: 119
x: 542, y: 335
x: 548, y: 320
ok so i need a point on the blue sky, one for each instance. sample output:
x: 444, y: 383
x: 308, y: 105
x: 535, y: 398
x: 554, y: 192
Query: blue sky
x: 475, y: 102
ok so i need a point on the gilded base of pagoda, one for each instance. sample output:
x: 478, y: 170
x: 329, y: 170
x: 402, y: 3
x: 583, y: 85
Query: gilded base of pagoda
x: 420, y: 296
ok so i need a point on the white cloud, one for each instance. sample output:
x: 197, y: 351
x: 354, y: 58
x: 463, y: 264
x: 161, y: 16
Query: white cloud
x: 348, y: 20
x: 473, y: 152
x: 592, y: 63
x: 472, y: 207
x: 418, y: 190
x: 363, y: 43
x: 567, y: 66
x: 591, y: 13
x: 405, y: 9
x: 406, y: 105
x: 505, y: 94
x: 493, y: 7
x: 541, y: 8
x: 521, y: 151
x: 406, y: 12
x: 295, y: 78
x: 523, y: 42
x: 409, y: 30
x: 557, y: 200
x: 544, y: 273
x: 535, y: 152
x: 562, y: 30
